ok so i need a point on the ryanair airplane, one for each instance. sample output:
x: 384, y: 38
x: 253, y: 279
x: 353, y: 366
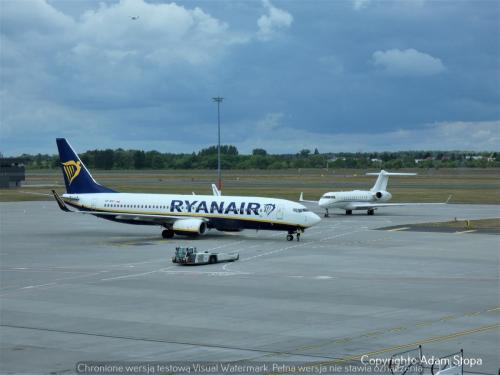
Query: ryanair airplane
x: 190, y: 215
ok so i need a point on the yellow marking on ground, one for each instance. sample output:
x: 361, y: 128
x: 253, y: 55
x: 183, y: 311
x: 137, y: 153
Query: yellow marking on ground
x: 342, y: 341
x: 466, y: 231
x: 397, y: 229
x: 473, y: 313
x: 409, y: 345
x: 397, y: 329
x: 372, y: 334
x: 449, y: 317
x: 423, y: 324
x: 394, y: 330
x: 416, y: 343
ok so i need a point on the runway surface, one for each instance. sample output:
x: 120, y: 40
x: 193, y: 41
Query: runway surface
x: 77, y: 288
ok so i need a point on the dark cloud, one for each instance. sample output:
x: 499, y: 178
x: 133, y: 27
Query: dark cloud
x: 318, y: 72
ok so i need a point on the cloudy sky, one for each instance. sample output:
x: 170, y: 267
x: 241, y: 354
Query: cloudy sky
x: 353, y: 75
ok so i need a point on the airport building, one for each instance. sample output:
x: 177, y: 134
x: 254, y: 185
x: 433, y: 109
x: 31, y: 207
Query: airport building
x: 12, y: 172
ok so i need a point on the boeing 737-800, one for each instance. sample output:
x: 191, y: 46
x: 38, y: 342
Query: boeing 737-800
x: 176, y: 214
x: 368, y: 200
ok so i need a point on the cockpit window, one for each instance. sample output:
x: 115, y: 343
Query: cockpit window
x: 329, y: 196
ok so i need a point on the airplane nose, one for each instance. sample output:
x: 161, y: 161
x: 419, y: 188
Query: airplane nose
x: 313, y: 219
x: 323, y: 203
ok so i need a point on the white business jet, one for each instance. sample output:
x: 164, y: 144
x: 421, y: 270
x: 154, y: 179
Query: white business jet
x: 368, y: 200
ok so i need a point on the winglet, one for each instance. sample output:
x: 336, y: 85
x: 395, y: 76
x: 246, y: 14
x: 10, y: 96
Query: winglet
x: 60, y: 202
x: 216, y: 192
x: 449, y: 198
x: 301, y: 198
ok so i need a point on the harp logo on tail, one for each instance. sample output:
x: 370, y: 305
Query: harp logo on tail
x: 71, y: 169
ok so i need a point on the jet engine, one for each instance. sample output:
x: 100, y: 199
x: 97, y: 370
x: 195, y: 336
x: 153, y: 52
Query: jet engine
x: 190, y: 227
x: 383, y: 195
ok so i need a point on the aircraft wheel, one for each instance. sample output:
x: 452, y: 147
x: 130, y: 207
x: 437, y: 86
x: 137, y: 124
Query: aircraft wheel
x: 167, y: 234
x: 348, y: 212
x: 289, y: 237
x: 371, y: 212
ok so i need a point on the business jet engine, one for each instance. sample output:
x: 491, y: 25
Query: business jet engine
x: 382, y: 195
x: 190, y: 227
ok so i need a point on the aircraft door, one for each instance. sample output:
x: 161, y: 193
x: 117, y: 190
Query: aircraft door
x: 279, y: 212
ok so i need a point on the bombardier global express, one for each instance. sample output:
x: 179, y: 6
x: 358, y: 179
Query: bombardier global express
x: 176, y: 214
x: 368, y: 200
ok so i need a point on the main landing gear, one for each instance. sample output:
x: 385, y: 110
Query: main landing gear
x: 289, y: 236
x: 348, y: 212
x: 167, y: 233
x: 326, y: 213
x: 370, y: 212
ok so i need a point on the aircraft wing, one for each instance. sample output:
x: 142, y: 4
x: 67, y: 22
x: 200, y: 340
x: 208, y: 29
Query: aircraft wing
x: 367, y: 206
x: 301, y: 199
x: 150, y: 218
x: 139, y: 217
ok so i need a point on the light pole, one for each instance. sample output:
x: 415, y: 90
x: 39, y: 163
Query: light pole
x: 218, y: 100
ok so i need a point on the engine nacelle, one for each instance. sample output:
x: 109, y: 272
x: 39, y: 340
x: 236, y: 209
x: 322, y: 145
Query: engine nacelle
x: 383, y: 195
x: 190, y: 227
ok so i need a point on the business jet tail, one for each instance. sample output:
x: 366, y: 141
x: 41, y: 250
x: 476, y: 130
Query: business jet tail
x: 77, y: 178
x: 383, y: 179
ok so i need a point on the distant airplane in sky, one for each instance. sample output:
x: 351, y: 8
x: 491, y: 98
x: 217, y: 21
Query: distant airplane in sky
x: 368, y: 200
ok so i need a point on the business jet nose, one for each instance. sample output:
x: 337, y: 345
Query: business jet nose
x: 313, y: 219
x: 323, y: 203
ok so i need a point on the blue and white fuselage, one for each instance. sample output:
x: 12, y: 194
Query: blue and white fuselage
x: 230, y: 213
x: 177, y: 214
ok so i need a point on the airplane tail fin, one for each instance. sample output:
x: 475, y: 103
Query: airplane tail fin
x: 77, y: 178
x: 383, y: 179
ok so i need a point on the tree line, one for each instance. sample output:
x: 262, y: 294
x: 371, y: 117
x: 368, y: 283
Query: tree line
x: 260, y: 159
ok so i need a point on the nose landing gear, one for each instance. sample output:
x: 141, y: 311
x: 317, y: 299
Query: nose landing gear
x: 289, y: 236
x: 326, y: 213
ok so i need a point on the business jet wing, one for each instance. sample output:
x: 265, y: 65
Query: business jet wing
x: 301, y: 199
x: 367, y: 206
x: 139, y: 217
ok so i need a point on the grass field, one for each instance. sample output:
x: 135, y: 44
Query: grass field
x: 466, y: 185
